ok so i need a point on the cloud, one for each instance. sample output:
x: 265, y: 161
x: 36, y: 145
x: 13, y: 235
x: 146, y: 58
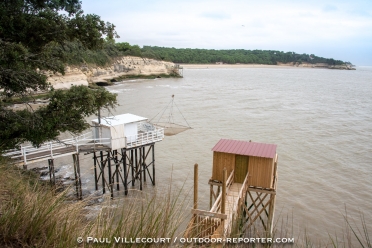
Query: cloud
x: 329, y: 8
x: 300, y: 26
x: 216, y: 15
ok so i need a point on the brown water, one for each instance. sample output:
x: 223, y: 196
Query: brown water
x: 321, y: 121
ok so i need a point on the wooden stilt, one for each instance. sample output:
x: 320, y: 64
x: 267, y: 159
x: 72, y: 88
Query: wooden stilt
x: 270, y: 220
x: 95, y: 170
x: 117, y: 166
x: 139, y: 167
x: 144, y: 164
x: 124, y: 154
x: 52, y: 175
x: 196, y: 186
x: 111, y: 179
x: 223, y: 197
x: 103, y: 173
x: 79, y: 193
x: 153, y: 164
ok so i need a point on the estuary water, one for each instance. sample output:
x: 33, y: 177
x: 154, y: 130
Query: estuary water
x: 320, y: 119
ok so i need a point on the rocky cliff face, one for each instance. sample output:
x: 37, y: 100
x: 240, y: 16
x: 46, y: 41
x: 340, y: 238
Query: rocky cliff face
x: 124, y: 66
x: 318, y: 65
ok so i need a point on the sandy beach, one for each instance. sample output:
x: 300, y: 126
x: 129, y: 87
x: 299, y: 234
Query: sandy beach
x: 217, y: 66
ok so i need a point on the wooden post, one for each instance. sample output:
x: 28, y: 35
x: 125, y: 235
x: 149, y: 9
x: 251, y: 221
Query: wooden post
x: 196, y: 218
x: 223, y: 198
x: 144, y: 163
x: 95, y: 170
x: 103, y: 173
x: 52, y: 176
x: 139, y: 167
x: 210, y: 196
x: 111, y: 178
x: 117, y: 164
x: 124, y: 157
x: 270, y: 220
x: 133, y: 164
x: 79, y: 193
x: 153, y: 164
x: 195, y: 186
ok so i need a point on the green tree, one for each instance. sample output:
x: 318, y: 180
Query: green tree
x: 33, y: 37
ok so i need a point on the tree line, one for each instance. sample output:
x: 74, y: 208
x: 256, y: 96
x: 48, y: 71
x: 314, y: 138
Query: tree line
x: 233, y: 56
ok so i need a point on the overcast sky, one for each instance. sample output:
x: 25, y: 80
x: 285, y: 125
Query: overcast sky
x: 333, y: 29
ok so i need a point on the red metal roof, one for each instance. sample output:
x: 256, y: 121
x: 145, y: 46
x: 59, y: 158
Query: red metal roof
x: 245, y: 148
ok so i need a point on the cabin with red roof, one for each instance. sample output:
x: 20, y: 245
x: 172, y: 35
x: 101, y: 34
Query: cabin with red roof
x: 259, y: 159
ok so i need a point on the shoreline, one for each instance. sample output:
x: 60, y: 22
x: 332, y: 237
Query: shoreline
x: 229, y: 66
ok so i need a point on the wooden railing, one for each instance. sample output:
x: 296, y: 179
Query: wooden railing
x: 217, y: 204
x: 145, y: 138
x: 53, y: 149
x: 206, y: 224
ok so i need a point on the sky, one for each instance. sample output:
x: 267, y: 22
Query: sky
x: 332, y: 29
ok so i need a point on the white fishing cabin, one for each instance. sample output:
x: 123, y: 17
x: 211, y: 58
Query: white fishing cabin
x: 126, y: 131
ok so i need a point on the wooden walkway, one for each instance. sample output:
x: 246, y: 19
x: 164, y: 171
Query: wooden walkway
x: 231, y: 204
x: 218, y: 221
x: 50, y: 150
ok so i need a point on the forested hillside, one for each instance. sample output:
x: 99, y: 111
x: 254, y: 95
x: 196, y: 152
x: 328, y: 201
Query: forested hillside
x: 204, y: 56
x: 76, y: 54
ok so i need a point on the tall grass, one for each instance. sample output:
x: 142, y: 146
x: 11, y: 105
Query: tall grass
x: 33, y: 214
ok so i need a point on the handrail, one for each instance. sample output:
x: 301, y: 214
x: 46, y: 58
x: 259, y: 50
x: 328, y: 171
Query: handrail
x: 241, y: 192
x: 217, y: 203
x: 55, y: 145
x: 145, y: 138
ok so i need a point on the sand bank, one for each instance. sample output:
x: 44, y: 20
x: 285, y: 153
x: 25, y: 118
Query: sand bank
x: 282, y: 65
x: 215, y: 66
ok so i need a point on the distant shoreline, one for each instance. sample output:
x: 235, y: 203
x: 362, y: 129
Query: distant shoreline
x: 214, y: 66
x: 226, y: 66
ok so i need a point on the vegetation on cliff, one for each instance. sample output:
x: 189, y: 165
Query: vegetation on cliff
x: 34, y: 39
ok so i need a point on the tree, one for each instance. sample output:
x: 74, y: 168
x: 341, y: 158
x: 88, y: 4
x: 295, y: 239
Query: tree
x: 33, y: 36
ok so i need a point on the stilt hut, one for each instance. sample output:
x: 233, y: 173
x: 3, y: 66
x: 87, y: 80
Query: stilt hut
x: 125, y: 131
x: 243, y: 156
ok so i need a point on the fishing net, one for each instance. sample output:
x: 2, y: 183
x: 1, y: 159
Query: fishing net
x: 171, y: 128
x: 169, y: 120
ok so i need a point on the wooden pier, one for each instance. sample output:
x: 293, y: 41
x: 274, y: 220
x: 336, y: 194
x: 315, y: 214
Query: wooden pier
x: 123, y: 149
x: 237, y: 203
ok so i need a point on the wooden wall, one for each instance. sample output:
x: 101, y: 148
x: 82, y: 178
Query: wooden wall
x: 221, y: 160
x: 261, y: 172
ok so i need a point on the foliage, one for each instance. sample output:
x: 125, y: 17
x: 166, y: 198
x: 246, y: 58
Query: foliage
x: 36, y: 38
x: 34, y: 215
x: 65, y: 112
x: 204, y: 56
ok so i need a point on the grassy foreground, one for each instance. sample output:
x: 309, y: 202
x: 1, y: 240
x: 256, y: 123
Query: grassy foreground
x: 32, y: 214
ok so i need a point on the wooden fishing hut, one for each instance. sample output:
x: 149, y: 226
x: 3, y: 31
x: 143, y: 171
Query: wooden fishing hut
x: 123, y: 148
x: 250, y: 167
x: 131, y: 140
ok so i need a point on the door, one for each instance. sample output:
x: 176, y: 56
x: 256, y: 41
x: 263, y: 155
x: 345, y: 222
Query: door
x: 241, y: 168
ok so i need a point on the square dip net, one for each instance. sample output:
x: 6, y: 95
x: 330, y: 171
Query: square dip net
x: 170, y: 120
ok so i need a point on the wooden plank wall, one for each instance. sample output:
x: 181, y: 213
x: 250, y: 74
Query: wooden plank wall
x: 261, y: 172
x: 220, y: 161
